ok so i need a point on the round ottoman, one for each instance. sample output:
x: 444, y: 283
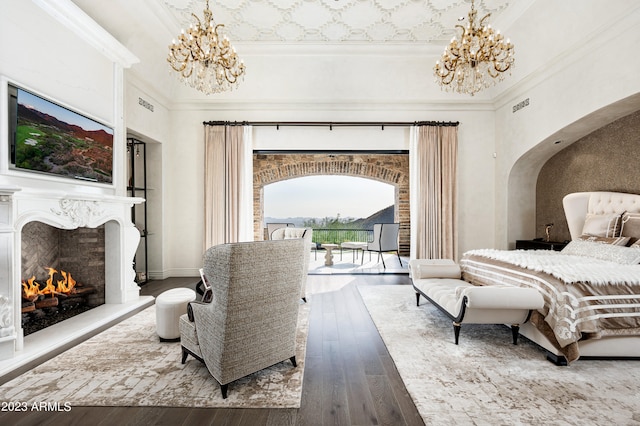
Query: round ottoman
x: 170, y: 305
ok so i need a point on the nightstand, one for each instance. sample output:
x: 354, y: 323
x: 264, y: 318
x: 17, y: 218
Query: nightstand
x: 539, y: 245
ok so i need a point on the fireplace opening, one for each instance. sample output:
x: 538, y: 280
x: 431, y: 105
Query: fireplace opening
x: 63, y: 273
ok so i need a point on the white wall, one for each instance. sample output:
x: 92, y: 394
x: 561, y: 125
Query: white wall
x: 564, y: 67
x: 387, y: 85
x: 41, y: 54
x: 573, y: 58
x: 587, y: 76
x: 148, y: 119
x: 185, y: 177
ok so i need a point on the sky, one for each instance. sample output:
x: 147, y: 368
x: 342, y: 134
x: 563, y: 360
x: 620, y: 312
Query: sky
x: 327, y: 196
x: 62, y: 114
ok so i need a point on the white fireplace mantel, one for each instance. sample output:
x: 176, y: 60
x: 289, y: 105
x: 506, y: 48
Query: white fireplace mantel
x: 19, y: 206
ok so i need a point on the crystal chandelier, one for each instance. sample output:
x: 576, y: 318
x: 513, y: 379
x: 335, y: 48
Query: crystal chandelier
x: 477, y: 60
x: 205, y: 60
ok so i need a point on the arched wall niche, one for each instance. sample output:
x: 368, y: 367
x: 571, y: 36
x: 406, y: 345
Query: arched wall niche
x: 534, y: 199
x: 389, y: 168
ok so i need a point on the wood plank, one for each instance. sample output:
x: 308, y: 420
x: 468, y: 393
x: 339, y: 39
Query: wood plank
x: 405, y: 403
x: 359, y: 401
x: 334, y: 392
x: 385, y: 401
x: 282, y: 417
x: 311, y: 412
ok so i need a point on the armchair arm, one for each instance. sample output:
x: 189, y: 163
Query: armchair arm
x: 190, y: 309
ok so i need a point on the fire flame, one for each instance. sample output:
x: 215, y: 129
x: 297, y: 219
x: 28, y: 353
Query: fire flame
x: 31, y: 288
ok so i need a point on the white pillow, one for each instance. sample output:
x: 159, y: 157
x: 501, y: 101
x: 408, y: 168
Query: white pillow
x: 602, y: 225
x: 611, y: 253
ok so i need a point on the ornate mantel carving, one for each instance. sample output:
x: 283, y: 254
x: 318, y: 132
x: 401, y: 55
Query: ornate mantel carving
x: 79, y: 212
x: 6, y: 317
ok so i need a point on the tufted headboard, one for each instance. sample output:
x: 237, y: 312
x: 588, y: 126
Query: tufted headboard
x: 577, y: 205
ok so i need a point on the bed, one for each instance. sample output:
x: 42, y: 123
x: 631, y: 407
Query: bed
x: 591, y: 288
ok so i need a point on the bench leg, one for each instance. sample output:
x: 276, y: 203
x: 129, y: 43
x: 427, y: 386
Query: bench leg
x: 456, y: 331
x: 417, y: 299
x: 515, y: 329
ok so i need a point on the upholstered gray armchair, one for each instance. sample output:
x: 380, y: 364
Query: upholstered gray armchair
x: 292, y: 232
x: 385, y: 238
x: 251, y: 322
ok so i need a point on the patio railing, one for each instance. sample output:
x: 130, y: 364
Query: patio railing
x: 337, y: 236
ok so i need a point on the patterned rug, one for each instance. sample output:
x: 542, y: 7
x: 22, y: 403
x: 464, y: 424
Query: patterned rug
x: 488, y: 380
x: 128, y: 366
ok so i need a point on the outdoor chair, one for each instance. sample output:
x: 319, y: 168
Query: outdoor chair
x: 273, y: 226
x: 304, y: 233
x: 385, y: 239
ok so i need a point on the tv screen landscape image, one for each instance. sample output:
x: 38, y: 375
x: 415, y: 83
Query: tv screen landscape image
x: 52, y: 139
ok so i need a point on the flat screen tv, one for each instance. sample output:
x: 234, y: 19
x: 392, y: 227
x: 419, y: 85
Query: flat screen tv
x: 45, y: 137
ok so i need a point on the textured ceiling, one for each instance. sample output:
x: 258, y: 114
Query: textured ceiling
x: 333, y: 21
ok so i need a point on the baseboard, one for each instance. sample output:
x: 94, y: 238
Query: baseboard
x: 175, y: 272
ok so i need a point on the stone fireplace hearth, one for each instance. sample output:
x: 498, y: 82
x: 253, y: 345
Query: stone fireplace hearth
x: 19, y: 209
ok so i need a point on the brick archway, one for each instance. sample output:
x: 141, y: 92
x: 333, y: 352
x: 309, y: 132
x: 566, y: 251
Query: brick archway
x: 388, y: 168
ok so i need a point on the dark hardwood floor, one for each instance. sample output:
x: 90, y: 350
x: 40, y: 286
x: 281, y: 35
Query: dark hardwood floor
x: 349, y: 378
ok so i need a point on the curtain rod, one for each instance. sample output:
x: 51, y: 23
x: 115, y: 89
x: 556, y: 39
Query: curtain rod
x: 331, y: 124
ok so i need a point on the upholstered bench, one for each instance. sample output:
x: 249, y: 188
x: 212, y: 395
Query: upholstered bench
x: 438, y: 280
x: 170, y: 305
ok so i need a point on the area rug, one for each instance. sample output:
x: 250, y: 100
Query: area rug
x: 127, y: 365
x: 486, y: 379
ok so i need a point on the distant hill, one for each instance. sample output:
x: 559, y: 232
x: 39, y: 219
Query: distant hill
x: 98, y: 136
x: 297, y: 221
x: 385, y: 215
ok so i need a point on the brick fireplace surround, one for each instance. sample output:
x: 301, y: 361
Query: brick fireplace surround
x: 20, y: 206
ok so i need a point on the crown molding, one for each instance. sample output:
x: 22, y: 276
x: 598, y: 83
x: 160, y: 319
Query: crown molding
x: 348, y: 105
x: 73, y: 18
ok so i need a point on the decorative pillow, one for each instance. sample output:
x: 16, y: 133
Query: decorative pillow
x: 602, y: 225
x: 616, y: 241
x: 631, y: 225
x: 611, y: 253
x: 437, y: 271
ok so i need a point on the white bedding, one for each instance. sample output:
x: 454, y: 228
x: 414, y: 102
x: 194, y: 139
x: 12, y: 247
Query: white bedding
x: 570, y: 269
x: 572, y: 311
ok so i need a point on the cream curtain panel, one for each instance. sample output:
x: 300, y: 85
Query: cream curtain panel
x: 433, y: 157
x: 228, y: 187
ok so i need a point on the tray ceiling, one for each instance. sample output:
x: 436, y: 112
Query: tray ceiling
x: 334, y: 21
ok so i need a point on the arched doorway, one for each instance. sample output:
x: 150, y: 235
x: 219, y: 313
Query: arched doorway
x: 391, y: 168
